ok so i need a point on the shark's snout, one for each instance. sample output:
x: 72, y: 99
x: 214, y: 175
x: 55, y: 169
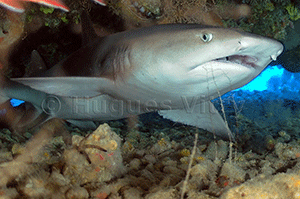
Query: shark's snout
x: 257, y: 51
x: 274, y: 56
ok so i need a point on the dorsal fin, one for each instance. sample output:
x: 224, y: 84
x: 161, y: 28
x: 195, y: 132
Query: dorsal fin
x: 88, y: 31
x: 36, y: 65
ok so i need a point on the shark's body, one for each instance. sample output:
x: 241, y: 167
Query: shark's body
x: 175, y: 69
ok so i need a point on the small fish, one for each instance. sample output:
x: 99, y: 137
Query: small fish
x: 18, y: 6
x: 101, y: 2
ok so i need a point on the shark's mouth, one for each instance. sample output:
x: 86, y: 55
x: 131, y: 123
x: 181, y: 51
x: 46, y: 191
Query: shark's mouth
x: 243, y: 60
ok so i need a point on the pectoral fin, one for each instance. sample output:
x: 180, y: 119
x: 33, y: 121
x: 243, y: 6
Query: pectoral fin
x: 203, y: 115
x: 67, y: 86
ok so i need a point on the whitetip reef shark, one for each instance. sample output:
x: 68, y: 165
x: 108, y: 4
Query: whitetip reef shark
x: 175, y: 69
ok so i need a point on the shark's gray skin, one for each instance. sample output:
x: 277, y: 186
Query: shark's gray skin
x: 175, y: 69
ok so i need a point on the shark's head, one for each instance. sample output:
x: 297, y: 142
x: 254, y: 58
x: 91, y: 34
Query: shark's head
x: 195, y: 60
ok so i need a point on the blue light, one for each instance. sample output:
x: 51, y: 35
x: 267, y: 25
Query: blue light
x: 269, y: 79
x: 276, y: 80
x: 16, y: 102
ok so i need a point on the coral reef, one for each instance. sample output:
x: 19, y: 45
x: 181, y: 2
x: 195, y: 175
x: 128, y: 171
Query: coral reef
x: 145, y: 13
x: 293, y: 11
x: 11, y: 31
x: 92, y: 159
x: 267, y: 187
x: 148, y: 157
x: 99, y: 165
x: 102, y: 159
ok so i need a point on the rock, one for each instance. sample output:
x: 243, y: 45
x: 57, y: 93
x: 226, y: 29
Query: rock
x: 173, y: 170
x: 206, y: 170
x: 219, y: 152
x: 163, y: 193
x: 132, y: 193
x: 8, y: 193
x: 278, y: 186
x: 287, y: 151
x: 149, y: 159
x: 5, y: 156
x: 58, y: 179
x: 77, y: 192
x: 96, y: 158
x: 35, y: 186
x: 161, y: 146
x: 135, y: 164
x: 233, y: 172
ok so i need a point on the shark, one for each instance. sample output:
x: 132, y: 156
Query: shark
x: 174, y: 69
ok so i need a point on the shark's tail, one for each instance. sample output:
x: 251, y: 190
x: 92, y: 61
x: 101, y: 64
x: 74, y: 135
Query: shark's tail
x: 21, y: 118
x: 25, y: 116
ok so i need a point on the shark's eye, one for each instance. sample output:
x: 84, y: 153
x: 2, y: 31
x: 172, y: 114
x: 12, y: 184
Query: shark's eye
x: 206, y: 37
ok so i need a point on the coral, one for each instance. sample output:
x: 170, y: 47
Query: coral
x: 87, y: 169
x: 270, y: 142
x: 51, y: 17
x: 5, y: 156
x: 185, y: 153
x: 135, y: 164
x: 35, y: 185
x: 284, y: 135
x: 11, y: 31
x: 133, y: 193
x: 162, y: 145
x: 46, y: 10
x: 205, y: 170
x: 287, y: 151
x: 233, y: 172
x: 267, y: 187
x: 127, y: 146
x: 140, y: 12
x: 266, y: 167
x: 144, y: 13
x: 217, y: 150
x: 77, y: 192
x: 8, y: 192
x: 102, y: 159
x: 168, y: 193
x: 293, y: 11
x: 268, y: 18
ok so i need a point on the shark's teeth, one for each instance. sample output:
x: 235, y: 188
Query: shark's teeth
x: 273, y: 57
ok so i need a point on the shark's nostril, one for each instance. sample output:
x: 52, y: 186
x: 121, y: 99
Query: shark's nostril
x: 240, y: 47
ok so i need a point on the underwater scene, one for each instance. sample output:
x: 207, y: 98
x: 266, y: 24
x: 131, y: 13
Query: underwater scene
x: 109, y: 99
